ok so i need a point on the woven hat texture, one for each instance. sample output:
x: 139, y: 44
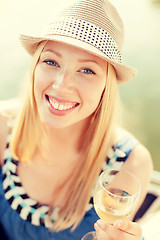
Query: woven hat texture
x: 93, y: 25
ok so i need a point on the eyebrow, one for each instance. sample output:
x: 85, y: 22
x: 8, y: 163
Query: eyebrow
x: 56, y: 53
x: 90, y: 60
x: 80, y: 60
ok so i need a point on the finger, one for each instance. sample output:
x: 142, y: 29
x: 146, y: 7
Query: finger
x: 100, y: 233
x: 102, y: 225
x: 109, y: 232
x: 129, y: 227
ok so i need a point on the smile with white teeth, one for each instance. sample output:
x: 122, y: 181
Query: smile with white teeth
x: 59, y: 105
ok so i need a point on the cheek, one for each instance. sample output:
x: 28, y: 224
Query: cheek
x: 40, y: 82
x: 100, y: 87
x: 93, y: 92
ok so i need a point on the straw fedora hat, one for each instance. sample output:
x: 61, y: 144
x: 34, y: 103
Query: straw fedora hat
x: 93, y: 25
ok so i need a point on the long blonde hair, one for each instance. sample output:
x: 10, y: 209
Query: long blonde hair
x: 96, y: 142
x: 27, y: 126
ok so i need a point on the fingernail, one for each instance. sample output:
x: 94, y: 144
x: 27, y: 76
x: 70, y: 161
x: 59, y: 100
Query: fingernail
x: 99, y: 222
x: 117, y: 224
x: 95, y: 225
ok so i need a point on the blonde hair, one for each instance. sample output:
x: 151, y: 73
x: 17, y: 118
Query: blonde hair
x: 27, y: 126
x: 96, y: 142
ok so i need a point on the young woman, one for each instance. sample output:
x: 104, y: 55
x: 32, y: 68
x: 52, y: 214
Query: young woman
x: 65, y: 131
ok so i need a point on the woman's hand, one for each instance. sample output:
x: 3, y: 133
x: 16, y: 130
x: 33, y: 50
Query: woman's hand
x: 120, y: 230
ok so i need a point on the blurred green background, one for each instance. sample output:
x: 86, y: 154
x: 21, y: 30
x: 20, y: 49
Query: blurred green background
x: 141, y: 96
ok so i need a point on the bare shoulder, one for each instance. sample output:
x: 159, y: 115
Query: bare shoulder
x: 7, y: 111
x: 140, y: 160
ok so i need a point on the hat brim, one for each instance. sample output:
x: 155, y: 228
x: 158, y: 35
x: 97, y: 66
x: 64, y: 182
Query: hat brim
x: 124, y: 73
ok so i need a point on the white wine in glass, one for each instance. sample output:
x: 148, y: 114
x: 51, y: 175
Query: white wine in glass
x: 115, y: 196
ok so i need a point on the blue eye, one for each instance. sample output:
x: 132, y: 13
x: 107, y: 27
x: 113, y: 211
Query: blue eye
x: 87, y: 71
x: 51, y: 63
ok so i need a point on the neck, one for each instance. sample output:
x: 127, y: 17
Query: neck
x: 63, y: 142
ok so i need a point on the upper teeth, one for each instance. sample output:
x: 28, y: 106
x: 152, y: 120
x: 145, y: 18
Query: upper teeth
x: 61, y: 106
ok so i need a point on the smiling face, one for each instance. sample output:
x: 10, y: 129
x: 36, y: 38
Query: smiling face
x: 68, y: 84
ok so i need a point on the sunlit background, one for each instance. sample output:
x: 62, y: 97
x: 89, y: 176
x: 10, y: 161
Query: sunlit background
x: 141, y: 96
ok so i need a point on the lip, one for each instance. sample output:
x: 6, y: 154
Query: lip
x: 59, y: 112
x: 60, y: 99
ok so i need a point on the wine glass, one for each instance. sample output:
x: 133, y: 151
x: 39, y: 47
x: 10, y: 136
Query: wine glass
x: 115, y: 196
x: 90, y: 236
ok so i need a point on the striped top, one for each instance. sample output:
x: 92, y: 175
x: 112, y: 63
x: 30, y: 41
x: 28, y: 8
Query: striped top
x: 29, y: 210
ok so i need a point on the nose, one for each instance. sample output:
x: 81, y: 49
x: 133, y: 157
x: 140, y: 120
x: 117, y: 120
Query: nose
x: 63, y: 81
